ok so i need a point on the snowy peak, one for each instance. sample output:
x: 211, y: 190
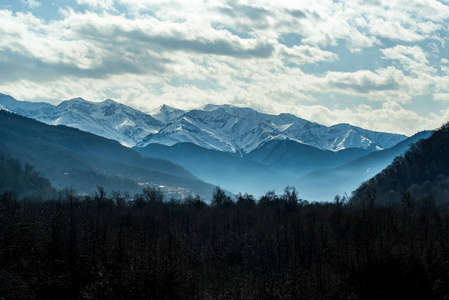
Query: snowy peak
x: 211, y: 107
x: 224, y: 128
x: 230, y: 110
x: 76, y: 104
x: 109, y: 118
x: 28, y: 109
x: 235, y: 129
x: 166, y: 113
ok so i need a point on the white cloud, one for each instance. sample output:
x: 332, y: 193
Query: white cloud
x: 98, y: 4
x: 413, y: 59
x: 31, y: 3
x: 445, y: 69
x: 305, y: 54
x: 189, y: 53
x: 441, y: 96
x: 382, y: 85
x: 394, y: 30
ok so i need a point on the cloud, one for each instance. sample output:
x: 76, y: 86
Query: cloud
x: 413, y: 59
x: 164, y: 35
x: 394, y: 30
x: 90, y: 45
x: 441, y: 96
x: 365, y: 81
x: 382, y: 85
x: 44, y: 52
x: 39, y: 70
x: 249, y: 16
x: 98, y: 4
x: 375, y: 59
x: 305, y: 54
x: 425, y: 9
x: 31, y: 3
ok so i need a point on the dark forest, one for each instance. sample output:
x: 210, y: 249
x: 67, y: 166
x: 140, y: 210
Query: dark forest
x: 280, y: 247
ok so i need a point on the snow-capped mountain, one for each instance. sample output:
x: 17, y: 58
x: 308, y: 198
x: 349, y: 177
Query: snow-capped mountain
x: 241, y: 130
x: 107, y: 119
x: 166, y: 114
x: 219, y: 127
x: 35, y: 110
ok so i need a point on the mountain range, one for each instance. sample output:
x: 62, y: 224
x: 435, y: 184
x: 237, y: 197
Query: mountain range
x: 107, y: 119
x: 238, y: 148
x: 241, y: 130
x: 220, y: 127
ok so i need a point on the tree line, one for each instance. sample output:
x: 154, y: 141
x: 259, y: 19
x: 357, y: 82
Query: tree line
x: 113, y: 246
x: 23, y: 179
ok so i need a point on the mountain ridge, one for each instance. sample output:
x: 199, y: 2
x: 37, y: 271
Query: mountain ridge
x: 349, y: 176
x: 108, y: 118
x: 70, y: 157
x: 417, y: 179
x: 221, y: 127
x: 234, y: 129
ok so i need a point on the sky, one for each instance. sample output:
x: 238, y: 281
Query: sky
x: 378, y: 64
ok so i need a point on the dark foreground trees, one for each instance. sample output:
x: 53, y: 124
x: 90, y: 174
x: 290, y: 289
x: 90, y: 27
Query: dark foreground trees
x: 111, y: 247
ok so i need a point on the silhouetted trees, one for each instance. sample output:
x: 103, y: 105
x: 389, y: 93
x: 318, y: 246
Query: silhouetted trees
x: 24, y: 180
x: 219, y: 198
x: 113, y: 246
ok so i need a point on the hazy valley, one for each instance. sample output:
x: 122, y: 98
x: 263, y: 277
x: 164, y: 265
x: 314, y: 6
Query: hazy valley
x: 212, y: 144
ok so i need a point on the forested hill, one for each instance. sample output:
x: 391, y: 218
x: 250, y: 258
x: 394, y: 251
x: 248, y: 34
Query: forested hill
x: 23, y: 180
x: 420, y: 175
x: 71, y: 158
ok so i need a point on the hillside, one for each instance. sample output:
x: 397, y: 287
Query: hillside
x: 73, y: 158
x: 298, y: 159
x: 419, y: 175
x: 324, y: 184
x: 23, y: 180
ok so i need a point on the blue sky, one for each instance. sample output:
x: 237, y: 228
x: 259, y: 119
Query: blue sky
x: 381, y: 65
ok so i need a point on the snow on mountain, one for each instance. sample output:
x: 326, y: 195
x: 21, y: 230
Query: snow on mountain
x: 108, y: 118
x: 34, y: 110
x: 166, y: 114
x: 224, y: 128
x: 340, y: 136
x: 219, y: 127
x: 241, y: 130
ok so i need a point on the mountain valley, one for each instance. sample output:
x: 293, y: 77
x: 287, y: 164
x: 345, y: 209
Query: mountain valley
x: 217, y: 142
